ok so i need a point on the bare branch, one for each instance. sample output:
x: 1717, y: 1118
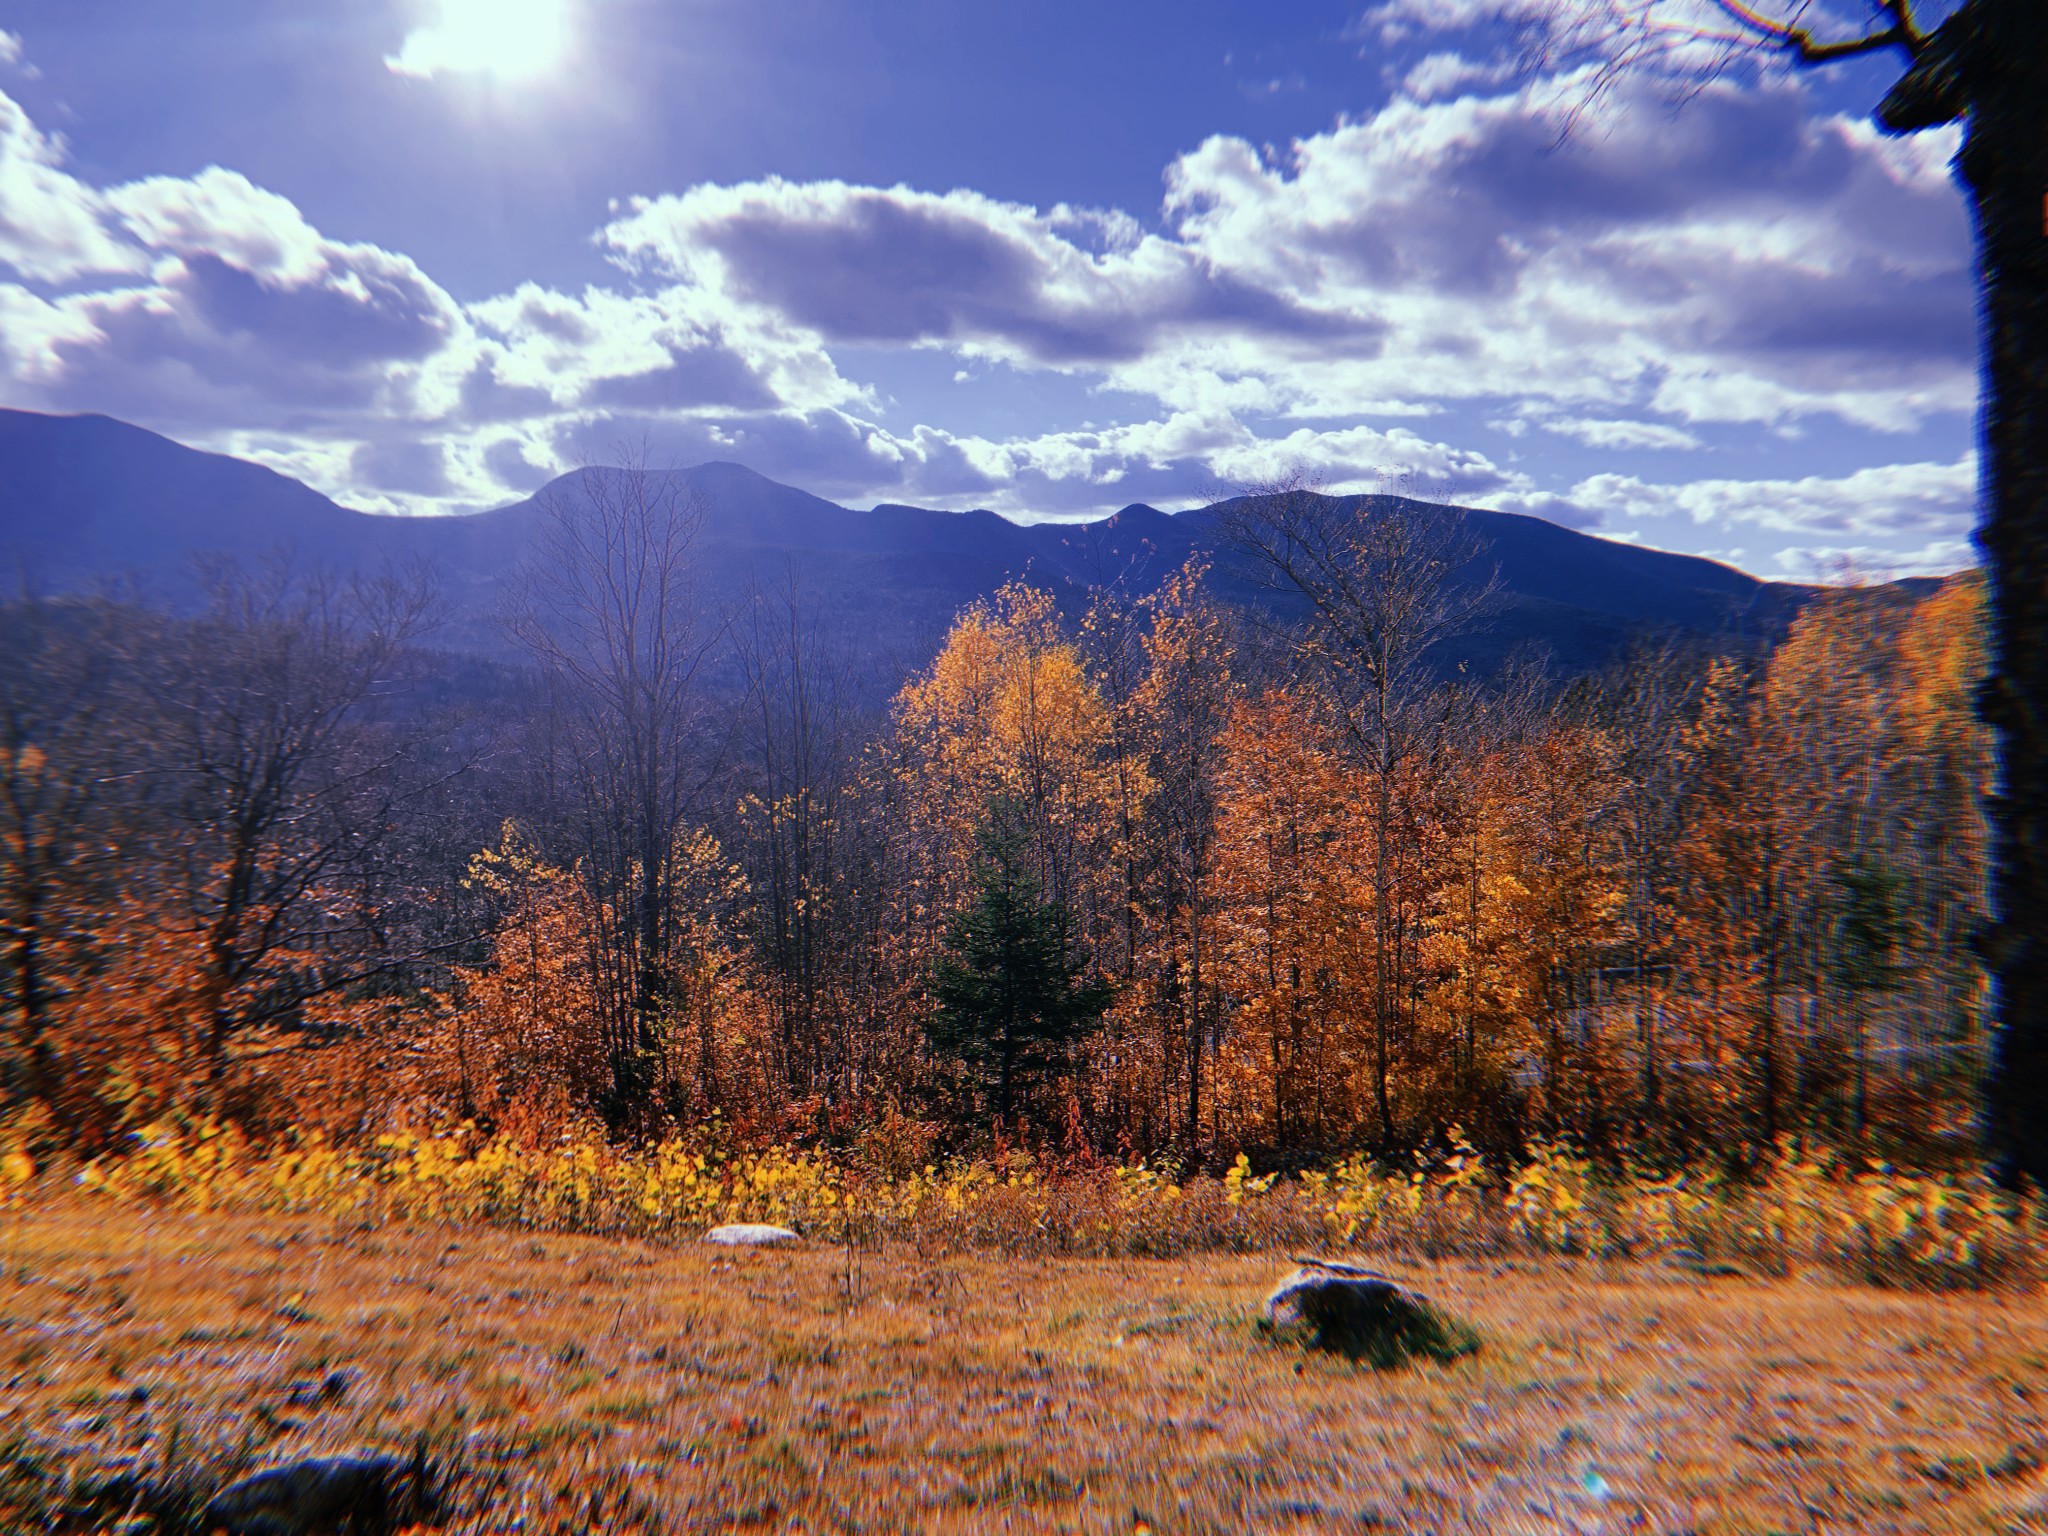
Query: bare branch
x: 1902, y: 33
x: 1610, y: 40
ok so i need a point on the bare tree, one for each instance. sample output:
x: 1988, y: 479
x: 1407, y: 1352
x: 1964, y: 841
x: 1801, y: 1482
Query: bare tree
x: 1986, y: 67
x: 277, y: 784
x: 608, y: 607
x: 801, y: 739
x: 1387, y: 581
x: 1650, y: 696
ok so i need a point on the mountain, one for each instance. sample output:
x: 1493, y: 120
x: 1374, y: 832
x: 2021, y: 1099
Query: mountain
x: 86, y: 497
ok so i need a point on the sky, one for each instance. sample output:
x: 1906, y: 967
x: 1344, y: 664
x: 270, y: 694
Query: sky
x: 1049, y: 259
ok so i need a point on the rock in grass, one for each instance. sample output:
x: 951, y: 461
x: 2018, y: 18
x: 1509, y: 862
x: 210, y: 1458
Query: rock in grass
x: 1363, y: 1316
x: 330, y: 1389
x: 363, y: 1495
x: 1692, y: 1262
x: 750, y: 1234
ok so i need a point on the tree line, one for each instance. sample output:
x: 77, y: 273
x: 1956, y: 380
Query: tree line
x: 1143, y: 874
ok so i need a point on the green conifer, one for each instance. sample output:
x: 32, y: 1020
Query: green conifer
x: 1012, y: 995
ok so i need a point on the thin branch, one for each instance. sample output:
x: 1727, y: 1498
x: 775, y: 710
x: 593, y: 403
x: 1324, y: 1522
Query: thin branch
x: 1902, y: 33
x: 1811, y: 52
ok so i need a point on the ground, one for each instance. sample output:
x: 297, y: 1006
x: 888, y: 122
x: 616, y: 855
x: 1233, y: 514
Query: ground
x: 580, y: 1385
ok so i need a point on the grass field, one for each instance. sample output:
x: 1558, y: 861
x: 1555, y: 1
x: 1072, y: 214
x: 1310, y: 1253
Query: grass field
x: 579, y: 1385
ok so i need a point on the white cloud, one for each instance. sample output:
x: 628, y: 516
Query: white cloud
x: 1867, y: 563
x: 52, y: 226
x: 249, y: 316
x: 1597, y: 433
x: 1739, y: 261
x: 680, y: 345
x: 32, y: 330
x: 1444, y: 74
x: 1922, y: 503
x: 893, y: 266
x: 222, y: 213
x: 1397, y: 20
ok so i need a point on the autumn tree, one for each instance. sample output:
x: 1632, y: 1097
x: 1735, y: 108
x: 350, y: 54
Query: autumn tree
x: 1386, y: 582
x: 1746, y: 883
x: 1185, y: 702
x: 1556, y: 896
x: 518, y: 1047
x: 1946, y: 768
x: 1294, y: 937
x: 1008, y: 711
x: 1867, y: 939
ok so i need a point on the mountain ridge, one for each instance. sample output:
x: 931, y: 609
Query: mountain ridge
x: 83, y: 498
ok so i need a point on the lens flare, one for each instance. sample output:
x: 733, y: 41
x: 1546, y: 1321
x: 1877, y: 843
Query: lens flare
x: 509, y: 39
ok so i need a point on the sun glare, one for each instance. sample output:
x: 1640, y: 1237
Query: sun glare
x: 508, y: 39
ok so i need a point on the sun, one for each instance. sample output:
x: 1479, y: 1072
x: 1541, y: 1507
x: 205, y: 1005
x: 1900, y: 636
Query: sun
x: 508, y: 39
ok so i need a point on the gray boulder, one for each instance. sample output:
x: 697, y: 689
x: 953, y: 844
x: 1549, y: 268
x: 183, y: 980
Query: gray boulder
x: 1362, y: 1315
x: 323, y: 1496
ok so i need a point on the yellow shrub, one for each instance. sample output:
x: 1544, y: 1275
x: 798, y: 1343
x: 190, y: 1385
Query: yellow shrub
x: 1876, y: 1224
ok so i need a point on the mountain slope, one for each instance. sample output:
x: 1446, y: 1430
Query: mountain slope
x: 87, y: 497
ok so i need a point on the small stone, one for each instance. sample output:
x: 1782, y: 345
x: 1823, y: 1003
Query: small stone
x: 332, y: 1388
x: 750, y: 1234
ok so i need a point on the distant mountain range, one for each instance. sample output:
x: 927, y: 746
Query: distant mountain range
x: 87, y: 497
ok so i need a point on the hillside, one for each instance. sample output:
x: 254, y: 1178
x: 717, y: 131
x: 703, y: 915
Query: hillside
x: 87, y: 497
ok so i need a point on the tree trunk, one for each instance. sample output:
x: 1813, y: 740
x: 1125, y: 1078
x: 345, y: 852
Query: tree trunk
x: 1194, y: 1023
x: 1006, y: 1081
x: 2006, y: 165
x: 35, y: 1002
x: 1382, y: 967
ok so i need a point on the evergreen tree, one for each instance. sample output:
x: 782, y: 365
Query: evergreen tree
x: 1870, y: 932
x: 1012, y: 996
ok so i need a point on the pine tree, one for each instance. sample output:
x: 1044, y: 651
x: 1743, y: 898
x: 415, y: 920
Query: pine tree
x: 1012, y: 997
x: 1870, y: 931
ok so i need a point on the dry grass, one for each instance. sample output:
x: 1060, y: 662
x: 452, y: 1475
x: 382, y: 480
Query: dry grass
x: 589, y: 1385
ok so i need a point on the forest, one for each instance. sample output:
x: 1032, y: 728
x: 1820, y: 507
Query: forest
x: 1126, y: 876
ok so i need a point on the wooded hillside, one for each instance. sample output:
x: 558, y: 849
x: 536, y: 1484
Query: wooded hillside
x: 1172, y: 877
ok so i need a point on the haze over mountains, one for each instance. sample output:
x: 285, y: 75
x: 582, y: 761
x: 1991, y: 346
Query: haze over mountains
x: 88, y: 497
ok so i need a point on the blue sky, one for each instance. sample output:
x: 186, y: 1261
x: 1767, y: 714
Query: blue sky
x: 424, y: 254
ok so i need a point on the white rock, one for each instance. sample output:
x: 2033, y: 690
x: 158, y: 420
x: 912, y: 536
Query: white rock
x: 750, y: 1234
